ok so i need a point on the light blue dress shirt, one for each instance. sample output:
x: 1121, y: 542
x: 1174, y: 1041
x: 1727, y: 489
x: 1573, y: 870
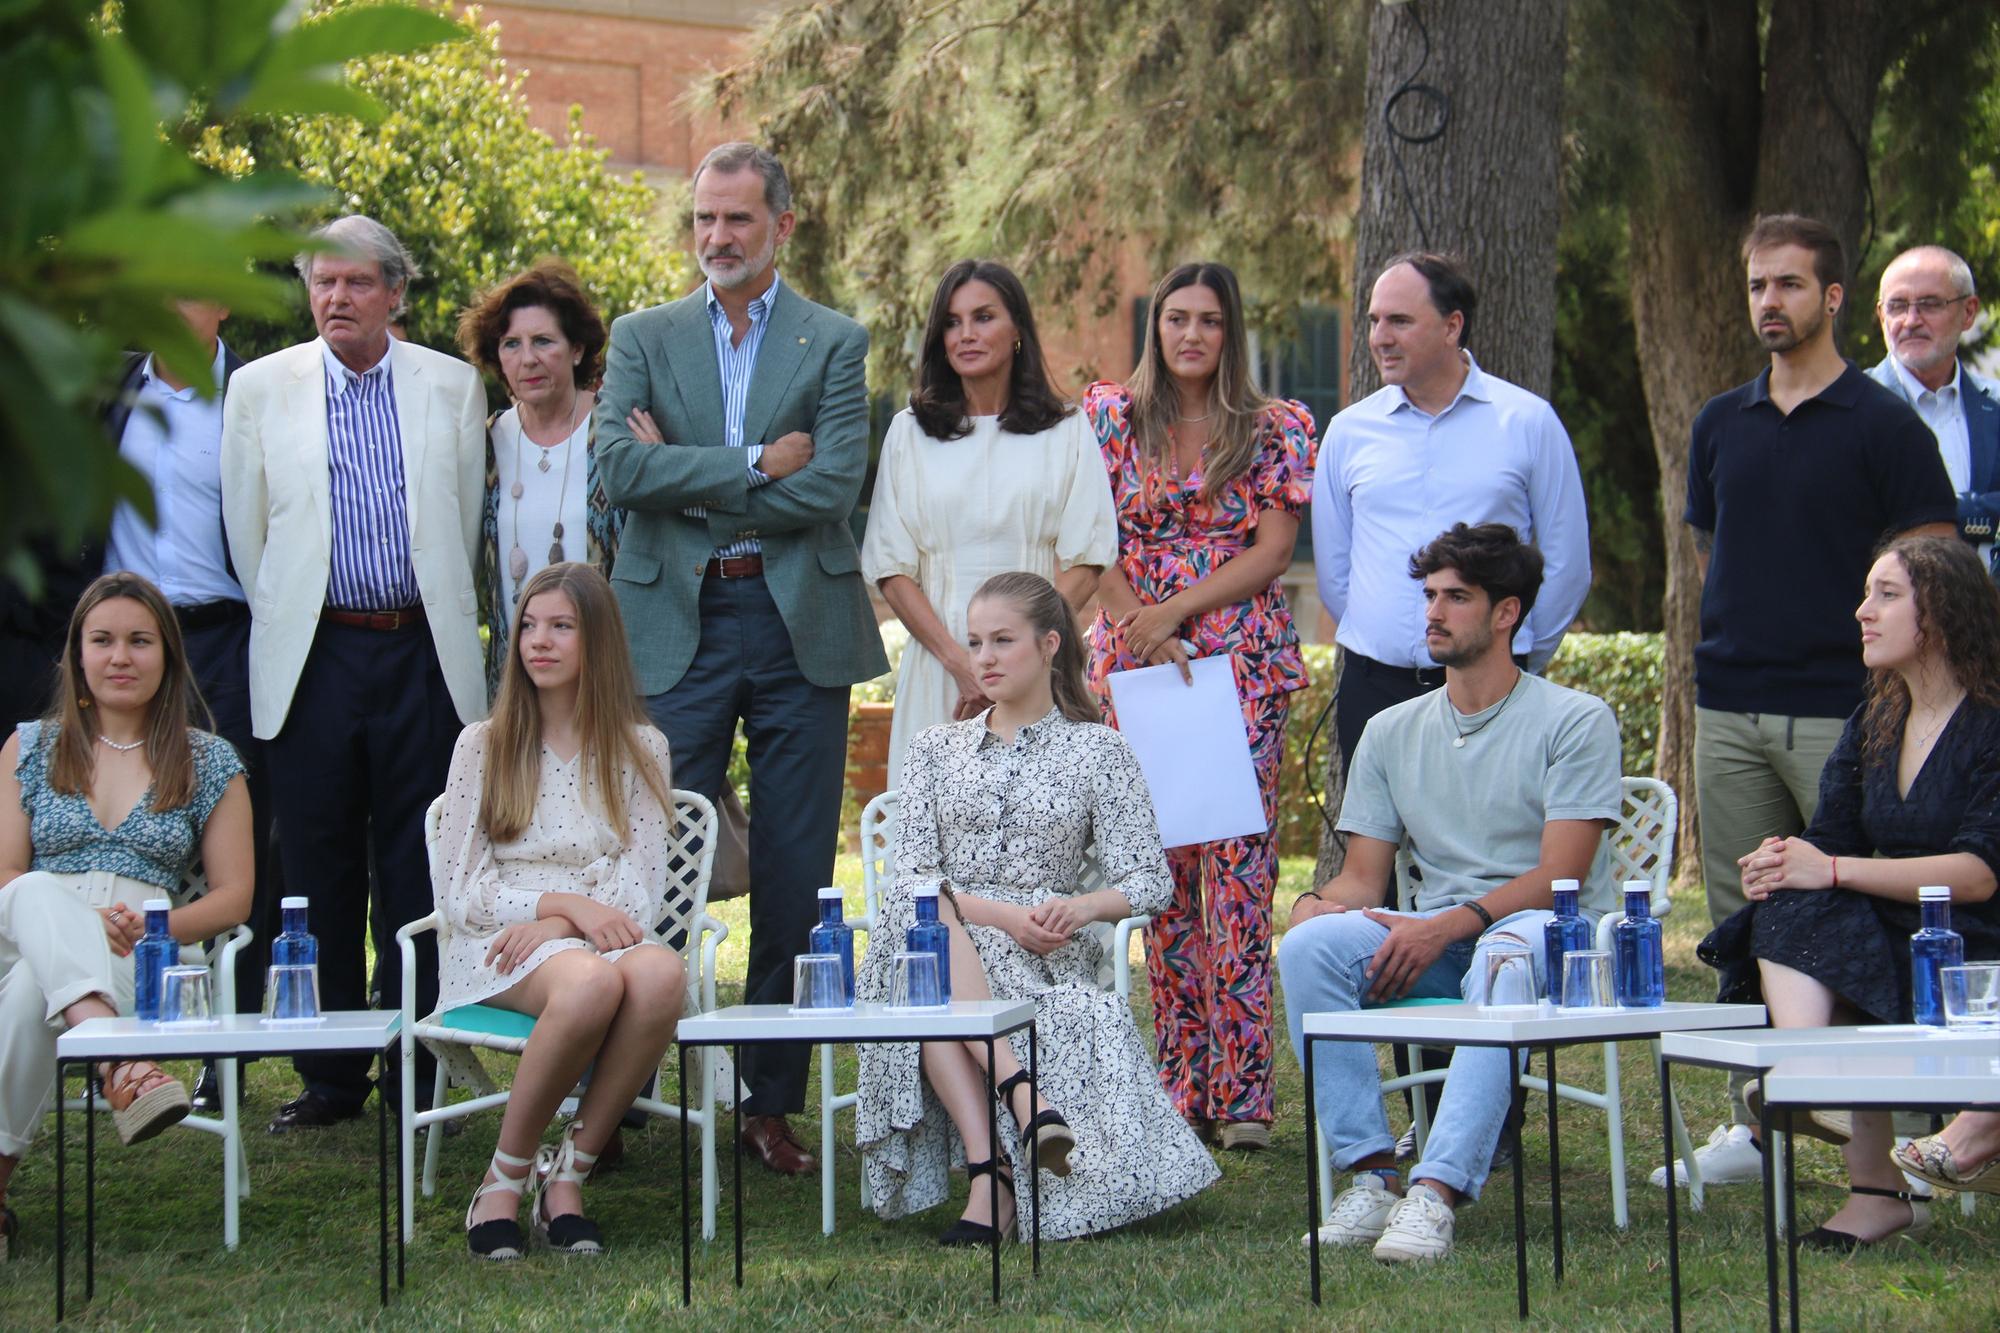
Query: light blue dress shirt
x: 368, y: 566
x: 1392, y: 477
x: 179, y: 453
x: 737, y: 363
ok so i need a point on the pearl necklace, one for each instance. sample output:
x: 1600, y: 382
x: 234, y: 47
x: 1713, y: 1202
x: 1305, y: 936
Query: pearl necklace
x: 122, y: 749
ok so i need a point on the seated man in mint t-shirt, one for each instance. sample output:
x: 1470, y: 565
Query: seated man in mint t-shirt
x: 1501, y: 783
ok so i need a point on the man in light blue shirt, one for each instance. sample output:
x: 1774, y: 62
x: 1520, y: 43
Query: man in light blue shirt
x: 1441, y: 442
x: 172, y: 435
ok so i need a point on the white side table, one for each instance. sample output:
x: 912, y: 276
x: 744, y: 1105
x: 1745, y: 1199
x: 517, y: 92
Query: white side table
x: 741, y: 1025
x: 1543, y: 1028
x: 1960, y: 1074
x: 235, y: 1037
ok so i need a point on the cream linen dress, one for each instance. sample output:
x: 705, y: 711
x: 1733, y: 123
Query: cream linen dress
x: 482, y: 887
x: 949, y: 514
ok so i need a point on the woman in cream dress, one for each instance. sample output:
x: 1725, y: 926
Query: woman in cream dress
x: 986, y: 471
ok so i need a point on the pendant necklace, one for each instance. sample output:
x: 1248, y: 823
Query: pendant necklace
x: 1461, y: 733
x: 517, y: 559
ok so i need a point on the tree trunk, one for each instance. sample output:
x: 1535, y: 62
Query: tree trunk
x: 1488, y: 189
x: 1723, y: 152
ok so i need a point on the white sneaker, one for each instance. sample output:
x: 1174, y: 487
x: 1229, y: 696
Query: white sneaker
x: 1360, y: 1213
x: 1420, y: 1228
x: 1730, y: 1157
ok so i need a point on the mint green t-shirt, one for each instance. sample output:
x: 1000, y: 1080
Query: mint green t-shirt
x: 1473, y: 814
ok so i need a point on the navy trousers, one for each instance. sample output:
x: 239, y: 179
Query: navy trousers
x: 796, y: 733
x: 362, y: 754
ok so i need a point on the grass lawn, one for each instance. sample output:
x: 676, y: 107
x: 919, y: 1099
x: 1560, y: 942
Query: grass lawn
x: 1229, y: 1259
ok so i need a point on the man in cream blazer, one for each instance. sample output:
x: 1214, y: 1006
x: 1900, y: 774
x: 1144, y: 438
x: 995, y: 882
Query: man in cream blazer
x: 353, y: 472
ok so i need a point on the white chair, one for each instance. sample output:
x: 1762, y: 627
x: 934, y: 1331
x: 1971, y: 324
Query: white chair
x: 220, y: 956
x: 878, y: 843
x: 457, y: 1036
x: 1642, y: 847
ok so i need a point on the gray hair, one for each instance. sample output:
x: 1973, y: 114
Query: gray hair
x: 1956, y: 269
x: 734, y: 157
x: 362, y: 237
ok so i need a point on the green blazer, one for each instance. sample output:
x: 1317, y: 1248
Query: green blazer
x: 809, y: 377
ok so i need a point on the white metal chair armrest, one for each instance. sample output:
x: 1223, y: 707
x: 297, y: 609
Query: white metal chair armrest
x: 710, y: 933
x: 1121, y: 950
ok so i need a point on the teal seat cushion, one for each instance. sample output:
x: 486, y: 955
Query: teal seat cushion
x: 485, y: 1018
x: 1410, y: 1003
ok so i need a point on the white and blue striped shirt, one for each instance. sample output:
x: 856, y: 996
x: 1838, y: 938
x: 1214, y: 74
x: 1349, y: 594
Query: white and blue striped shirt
x: 368, y: 567
x: 737, y: 363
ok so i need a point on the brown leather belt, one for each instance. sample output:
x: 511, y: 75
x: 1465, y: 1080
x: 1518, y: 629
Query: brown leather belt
x: 377, y: 620
x: 735, y: 567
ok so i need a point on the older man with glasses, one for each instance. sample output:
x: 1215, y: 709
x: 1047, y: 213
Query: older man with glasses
x: 1927, y: 303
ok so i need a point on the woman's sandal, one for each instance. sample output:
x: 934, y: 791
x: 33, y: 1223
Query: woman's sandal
x: 563, y: 1164
x: 1930, y: 1160
x: 144, y: 1099
x: 1054, y: 1139
x: 502, y: 1237
x: 965, y: 1232
x: 1840, y: 1242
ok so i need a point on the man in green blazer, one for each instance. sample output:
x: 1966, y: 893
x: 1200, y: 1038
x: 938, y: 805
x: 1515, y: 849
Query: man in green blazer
x: 733, y: 428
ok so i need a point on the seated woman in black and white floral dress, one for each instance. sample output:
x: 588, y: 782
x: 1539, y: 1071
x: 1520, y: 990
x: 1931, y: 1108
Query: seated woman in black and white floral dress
x: 998, y: 811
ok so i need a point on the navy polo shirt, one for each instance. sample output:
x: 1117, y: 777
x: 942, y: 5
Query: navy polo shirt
x: 1798, y: 505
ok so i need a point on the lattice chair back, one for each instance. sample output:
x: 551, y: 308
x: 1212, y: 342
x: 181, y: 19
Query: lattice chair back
x: 878, y: 852
x: 1642, y: 844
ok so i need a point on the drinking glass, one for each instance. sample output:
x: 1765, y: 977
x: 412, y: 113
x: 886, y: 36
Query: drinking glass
x: 914, y: 981
x: 1510, y: 979
x: 184, y: 995
x: 1587, y: 980
x: 1971, y: 995
x: 817, y: 983
x: 291, y: 993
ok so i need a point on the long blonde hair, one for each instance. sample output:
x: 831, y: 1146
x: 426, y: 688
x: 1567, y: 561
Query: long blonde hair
x: 608, y: 714
x: 1235, y: 404
x: 172, y: 709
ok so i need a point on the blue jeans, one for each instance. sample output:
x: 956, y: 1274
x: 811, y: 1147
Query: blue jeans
x: 1320, y: 970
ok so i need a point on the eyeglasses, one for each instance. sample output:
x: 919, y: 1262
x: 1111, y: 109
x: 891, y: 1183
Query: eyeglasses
x: 1930, y: 307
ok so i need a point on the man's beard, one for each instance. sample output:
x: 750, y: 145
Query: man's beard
x: 1463, y: 652
x: 1792, y: 337
x: 744, y: 273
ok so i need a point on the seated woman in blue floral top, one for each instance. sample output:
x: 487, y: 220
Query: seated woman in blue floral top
x: 103, y: 804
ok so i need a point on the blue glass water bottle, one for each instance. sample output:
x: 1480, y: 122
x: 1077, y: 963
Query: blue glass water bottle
x: 1935, y: 945
x: 1567, y: 933
x: 294, y: 947
x: 833, y: 935
x: 1638, y: 951
x: 151, y: 957
x: 929, y: 935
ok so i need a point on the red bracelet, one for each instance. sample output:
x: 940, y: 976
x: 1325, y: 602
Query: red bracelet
x: 1833, y: 863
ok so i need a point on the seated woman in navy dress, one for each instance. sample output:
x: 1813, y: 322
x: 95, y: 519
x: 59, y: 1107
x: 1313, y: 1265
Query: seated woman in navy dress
x: 1909, y: 797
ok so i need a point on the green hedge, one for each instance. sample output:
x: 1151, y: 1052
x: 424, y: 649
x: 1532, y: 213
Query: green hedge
x: 1623, y: 669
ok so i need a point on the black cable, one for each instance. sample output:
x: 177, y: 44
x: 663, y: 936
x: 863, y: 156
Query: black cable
x: 1438, y: 99
x: 1312, y: 739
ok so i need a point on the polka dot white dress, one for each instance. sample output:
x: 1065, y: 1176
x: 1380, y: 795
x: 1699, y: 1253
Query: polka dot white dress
x: 1011, y: 823
x: 482, y: 887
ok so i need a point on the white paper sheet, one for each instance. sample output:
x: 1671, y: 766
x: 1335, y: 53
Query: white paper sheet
x: 1193, y: 749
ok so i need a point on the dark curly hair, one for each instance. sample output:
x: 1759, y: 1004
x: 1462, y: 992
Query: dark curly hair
x: 552, y: 285
x: 1490, y: 556
x: 1958, y: 616
x: 938, y: 402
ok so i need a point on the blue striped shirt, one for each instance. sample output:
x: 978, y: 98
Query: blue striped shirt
x: 368, y: 567
x: 737, y: 362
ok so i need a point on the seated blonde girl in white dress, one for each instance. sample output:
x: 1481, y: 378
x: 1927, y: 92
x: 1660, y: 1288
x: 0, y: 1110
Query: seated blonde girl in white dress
x: 550, y: 875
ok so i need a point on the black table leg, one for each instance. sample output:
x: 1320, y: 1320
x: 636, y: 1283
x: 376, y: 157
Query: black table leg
x: 1312, y: 1173
x: 736, y: 1133
x: 993, y: 1156
x: 90, y: 1087
x: 687, y: 1245
x: 1673, y: 1189
x: 1770, y: 1221
x: 62, y: 1193
x: 1517, y: 1111
x: 1555, y: 1167
x: 382, y: 1177
x: 1791, y: 1223
x: 1034, y: 1151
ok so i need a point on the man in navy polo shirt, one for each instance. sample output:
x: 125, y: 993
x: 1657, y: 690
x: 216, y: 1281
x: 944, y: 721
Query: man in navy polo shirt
x: 1793, y: 480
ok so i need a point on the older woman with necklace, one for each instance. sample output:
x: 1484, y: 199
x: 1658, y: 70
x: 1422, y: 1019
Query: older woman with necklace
x: 539, y: 335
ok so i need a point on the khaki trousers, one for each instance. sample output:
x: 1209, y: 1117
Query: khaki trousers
x: 53, y: 952
x: 1756, y: 776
